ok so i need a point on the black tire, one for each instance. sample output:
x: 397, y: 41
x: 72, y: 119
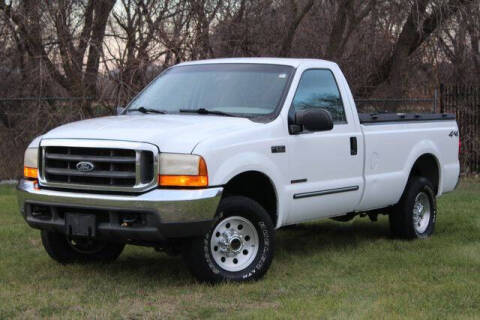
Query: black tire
x: 402, y: 217
x: 62, y: 250
x: 198, y: 253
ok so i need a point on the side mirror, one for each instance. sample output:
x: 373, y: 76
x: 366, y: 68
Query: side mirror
x: 120, y: 110
x: 313, y: 120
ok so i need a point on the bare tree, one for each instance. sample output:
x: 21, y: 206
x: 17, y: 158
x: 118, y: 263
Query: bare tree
x: 62, y: 44
x: 473, y: 30
x: 204, y: 13
x: 79, y: 52
x: 295, y: 18
x: 348, y: 17
x: 136, y: 37
x: 423, y: 20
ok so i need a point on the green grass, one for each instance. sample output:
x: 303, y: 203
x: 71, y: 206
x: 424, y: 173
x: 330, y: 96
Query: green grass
x: 321, y: 270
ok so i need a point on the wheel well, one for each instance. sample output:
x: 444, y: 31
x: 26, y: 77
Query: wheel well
x: 427, y: 166
x: 257, y: 186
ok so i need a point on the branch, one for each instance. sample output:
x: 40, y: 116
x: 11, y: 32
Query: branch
x: 286, y: 46
x: 85, y: 34
x: 33, y: 44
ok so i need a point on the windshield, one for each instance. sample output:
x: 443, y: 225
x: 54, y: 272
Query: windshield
x: 239, y: 89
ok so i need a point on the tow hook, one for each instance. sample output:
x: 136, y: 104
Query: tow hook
x: 128, y: 221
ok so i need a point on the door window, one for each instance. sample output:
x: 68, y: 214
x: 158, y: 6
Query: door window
x: 318, y: 89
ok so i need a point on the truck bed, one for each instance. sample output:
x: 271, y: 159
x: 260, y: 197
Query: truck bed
x: 392, y: 144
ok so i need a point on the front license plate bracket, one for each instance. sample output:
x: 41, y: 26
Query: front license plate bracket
x: 80, y: 225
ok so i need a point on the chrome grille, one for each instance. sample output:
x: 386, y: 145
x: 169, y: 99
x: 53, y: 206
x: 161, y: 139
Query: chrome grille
x: 80, y: 166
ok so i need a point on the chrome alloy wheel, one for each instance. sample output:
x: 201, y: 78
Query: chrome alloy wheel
x: 421, y: 212
x: 234, y: 243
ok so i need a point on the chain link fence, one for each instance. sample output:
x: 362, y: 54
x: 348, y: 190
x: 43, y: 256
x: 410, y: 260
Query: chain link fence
x: 22, y: 119
x: 464, y: 101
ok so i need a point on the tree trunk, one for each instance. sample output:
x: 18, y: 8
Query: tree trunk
x: 102, y: 12
x: 286, y: 47
x: 392, y: 72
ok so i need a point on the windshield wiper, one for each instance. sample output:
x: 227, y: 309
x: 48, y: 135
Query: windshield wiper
x: 206, y: 111
x: 147, y: 110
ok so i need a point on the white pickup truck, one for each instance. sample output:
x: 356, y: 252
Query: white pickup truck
x: 214, y: 155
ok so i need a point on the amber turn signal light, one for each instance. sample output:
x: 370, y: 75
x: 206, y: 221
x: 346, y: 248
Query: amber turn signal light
x: 30, y: 173
x: 183, y: 181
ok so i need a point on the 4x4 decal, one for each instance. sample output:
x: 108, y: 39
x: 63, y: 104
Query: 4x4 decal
x: 453, y: 133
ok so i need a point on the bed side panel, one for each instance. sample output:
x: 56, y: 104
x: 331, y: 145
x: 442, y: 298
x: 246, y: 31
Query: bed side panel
x: 391, y: 150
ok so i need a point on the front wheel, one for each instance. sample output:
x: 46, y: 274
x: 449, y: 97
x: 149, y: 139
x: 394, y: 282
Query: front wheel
x: 239, y: 247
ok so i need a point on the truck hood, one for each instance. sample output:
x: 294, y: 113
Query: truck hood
x: 171, y: 133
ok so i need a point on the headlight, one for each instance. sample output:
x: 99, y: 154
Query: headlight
x: 30, y: 163
x: 182, y: 170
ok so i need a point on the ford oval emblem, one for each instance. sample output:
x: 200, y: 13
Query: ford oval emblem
x: 85, y: 166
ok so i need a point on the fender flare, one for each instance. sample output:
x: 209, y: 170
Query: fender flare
x: 253, y: 162
x: 423, y: 147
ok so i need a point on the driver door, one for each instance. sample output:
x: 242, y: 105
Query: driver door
x: 325, y: 167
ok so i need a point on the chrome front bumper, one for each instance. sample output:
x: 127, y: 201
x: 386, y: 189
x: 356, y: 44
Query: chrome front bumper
x: 165, y: 207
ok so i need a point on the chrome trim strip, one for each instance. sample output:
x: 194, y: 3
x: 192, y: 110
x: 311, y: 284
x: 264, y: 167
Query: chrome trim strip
x: 112, y: 144
x: 90, y: 143
x: 324, y: 192
x: 171, y: 205
x: 41, y: 172
x: 78, y: 157
x: 138, y: 168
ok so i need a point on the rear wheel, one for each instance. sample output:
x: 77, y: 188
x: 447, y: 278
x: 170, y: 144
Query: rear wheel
x: 65, y: 250
x: 239, y: 247
x: 415, y: 214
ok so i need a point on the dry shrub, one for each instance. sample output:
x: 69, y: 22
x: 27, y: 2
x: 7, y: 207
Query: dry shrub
x: 22, y: 121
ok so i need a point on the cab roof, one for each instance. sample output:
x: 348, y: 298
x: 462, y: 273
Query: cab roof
x: 293, y: 62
